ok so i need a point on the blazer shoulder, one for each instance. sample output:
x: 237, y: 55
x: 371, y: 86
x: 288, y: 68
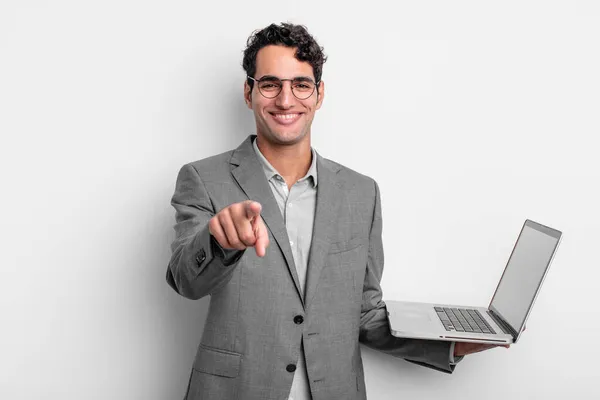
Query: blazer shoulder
x: 350, y: 175
x: 212, y: 167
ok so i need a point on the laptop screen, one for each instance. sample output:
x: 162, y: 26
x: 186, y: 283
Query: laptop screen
x: 524, y: 273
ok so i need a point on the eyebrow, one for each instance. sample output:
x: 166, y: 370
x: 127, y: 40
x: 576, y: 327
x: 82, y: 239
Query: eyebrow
x: 296, y: 78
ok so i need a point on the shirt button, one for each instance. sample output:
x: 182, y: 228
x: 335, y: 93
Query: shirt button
x: 290, y: 204
x: 291, y: 243
x: 298, y: 319
x: 290, y: 368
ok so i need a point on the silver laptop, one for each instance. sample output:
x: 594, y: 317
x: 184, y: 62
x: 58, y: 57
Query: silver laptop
x: 503, y: 321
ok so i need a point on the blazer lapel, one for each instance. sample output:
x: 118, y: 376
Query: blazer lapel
x: 249, y: 174
x: 329, y: 191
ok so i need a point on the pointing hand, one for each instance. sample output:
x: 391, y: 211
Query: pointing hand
x: 239, y: 226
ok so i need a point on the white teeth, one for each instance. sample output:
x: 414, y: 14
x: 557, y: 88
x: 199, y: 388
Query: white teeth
x: 286, y: 116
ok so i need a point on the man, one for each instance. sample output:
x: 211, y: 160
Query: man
x: 285, y: 320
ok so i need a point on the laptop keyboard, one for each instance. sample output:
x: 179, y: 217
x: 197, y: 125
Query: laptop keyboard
x: 463, y: 320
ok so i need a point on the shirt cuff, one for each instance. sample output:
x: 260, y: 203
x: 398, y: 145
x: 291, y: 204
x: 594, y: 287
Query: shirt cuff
x: 454, y: 360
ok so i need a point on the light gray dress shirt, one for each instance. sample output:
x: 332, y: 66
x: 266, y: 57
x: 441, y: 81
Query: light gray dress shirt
x: 297, y: 207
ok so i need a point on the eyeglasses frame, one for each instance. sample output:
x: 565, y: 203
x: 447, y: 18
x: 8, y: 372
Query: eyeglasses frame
x: 283, y: 80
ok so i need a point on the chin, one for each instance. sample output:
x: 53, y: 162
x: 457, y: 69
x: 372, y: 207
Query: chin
x: 287, y: 137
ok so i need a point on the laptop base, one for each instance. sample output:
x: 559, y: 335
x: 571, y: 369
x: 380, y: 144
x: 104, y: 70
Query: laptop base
x: 421, y: 321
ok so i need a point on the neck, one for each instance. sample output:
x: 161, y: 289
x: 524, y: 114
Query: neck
x: 291, y: 161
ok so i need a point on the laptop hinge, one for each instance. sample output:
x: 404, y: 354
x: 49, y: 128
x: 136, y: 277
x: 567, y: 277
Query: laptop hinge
x: 506, y: 328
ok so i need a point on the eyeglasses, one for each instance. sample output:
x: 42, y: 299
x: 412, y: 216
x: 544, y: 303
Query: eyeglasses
x: 270, y: 86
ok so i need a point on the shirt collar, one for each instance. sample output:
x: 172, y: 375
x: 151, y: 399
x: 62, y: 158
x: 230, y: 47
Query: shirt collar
x: 271, y: 172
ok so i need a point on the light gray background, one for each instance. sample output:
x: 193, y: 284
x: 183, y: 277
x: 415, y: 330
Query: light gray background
x: 472, y: 116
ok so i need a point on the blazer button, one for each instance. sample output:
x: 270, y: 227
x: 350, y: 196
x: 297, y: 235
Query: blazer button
x: 201, y: 257
x: 298, y: 319
x: 290, y: 368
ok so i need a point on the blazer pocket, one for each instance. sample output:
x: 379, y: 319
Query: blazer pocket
x: 339, y: 247
x: 217, y: 362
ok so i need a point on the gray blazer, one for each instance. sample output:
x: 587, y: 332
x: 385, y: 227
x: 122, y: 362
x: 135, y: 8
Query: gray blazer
x: 258, y: 320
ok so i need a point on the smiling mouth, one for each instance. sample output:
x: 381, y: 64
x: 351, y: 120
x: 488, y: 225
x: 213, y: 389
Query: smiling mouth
x: 285, y: 119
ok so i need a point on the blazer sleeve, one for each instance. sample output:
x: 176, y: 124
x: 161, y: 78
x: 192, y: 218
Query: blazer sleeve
x: 198, y: 264
x: 374, y: 323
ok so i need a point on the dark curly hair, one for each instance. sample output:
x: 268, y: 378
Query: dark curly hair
x: 289, y: 35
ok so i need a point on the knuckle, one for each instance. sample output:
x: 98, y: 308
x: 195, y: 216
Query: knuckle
x: 235, y: 243
x: 247, y: 240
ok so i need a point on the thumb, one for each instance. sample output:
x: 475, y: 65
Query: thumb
x: 253, y: 209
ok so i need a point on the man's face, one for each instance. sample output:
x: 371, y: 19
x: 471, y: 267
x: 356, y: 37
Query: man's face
x: 279, y: 61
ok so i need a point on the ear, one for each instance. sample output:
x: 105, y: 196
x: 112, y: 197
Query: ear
x: 247, y: 94
x: 320, y: 94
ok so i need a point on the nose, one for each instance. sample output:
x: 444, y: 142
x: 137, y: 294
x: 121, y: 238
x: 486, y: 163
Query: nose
x: 285, y: 98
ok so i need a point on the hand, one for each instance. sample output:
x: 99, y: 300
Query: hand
x: 240, y: 226
x: 464, y: 348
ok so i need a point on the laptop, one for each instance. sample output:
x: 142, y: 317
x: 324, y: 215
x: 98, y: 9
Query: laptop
x: 504, y: 319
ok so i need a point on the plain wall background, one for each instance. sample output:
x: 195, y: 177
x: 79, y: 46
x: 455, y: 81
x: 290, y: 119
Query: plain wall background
x: 472, y: 117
